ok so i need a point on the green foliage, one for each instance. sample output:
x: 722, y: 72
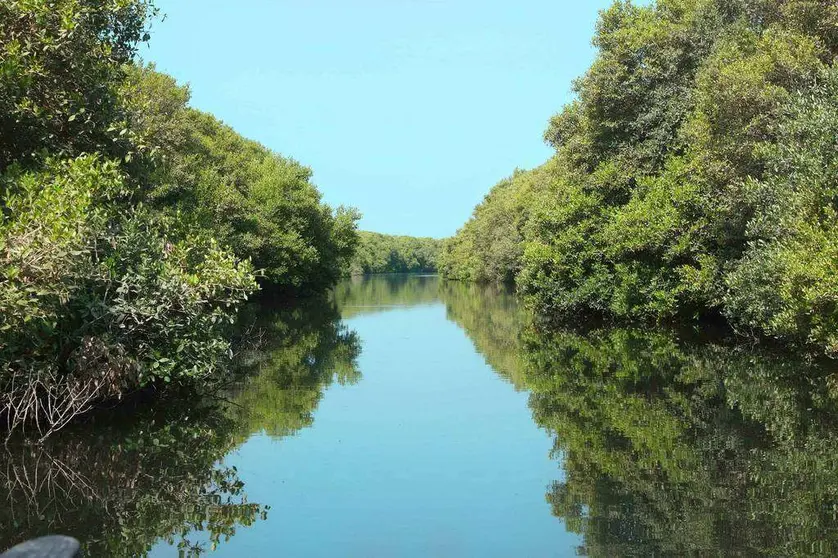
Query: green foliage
x: 260, y: 204
x: 786, y: 283
x: 489, y: 247
x: 265, y: 208
x: 131, y: 224
x: 382, y: 253
x: 101, y: 299
x: 693, y: 176
x: 60, y: 64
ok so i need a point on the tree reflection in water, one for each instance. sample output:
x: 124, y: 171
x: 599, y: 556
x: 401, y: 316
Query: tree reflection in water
x: 669, y: 443
x: 672, y: 447
x: 130, y: 477
x: 119, y: 485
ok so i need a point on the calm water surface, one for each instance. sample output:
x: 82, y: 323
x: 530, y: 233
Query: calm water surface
x: 411, y: 417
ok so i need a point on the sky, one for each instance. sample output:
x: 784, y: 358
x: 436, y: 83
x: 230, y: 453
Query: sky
x: 409, y: 110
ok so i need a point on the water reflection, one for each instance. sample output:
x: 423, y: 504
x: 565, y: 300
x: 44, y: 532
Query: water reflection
x: 664, y: 443
x: 379, y: 293
x: 129, y: 478
x: 672, y: 447
x: 121, y: 483
x: 489, y: 314
x: 493, y: 319
x: 303, y: 349
x: 669, y: 443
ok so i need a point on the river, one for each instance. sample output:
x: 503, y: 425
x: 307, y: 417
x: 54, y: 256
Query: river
x: 407, y: 416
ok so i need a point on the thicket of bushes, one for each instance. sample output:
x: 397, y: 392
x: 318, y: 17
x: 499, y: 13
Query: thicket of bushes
x: 695, y: 173
x: 132, y: 225
x: 260, y: 204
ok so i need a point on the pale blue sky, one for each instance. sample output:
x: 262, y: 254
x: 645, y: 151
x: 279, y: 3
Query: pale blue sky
x: 409, y: 110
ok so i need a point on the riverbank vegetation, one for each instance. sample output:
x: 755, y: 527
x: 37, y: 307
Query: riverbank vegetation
x: 124, y: 480
x: 694, y: 175
x: 384, y: 253
x: 133, y: 226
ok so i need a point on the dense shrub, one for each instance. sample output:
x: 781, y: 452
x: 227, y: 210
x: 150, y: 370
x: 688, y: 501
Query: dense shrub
x: 694, y: 175
x: 131, y: 223
x: 490, y: 245
x: 787, y: 283
x: 60, y: 66
x: 98, y: 300
x: 260, y: 204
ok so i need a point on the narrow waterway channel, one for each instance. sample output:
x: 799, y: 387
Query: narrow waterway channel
x: 429, y: 452
x: 407, y: 416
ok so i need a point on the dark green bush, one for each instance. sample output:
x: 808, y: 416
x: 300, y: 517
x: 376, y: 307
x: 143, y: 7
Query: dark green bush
x: 490, y: 246
x: 260, y: 204
x: 695, y: 175
x: 131, y: 223
x: 100, y: 299
x: 60, y: 66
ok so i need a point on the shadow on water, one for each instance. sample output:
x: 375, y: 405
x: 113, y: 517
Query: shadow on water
x: 127, y: 478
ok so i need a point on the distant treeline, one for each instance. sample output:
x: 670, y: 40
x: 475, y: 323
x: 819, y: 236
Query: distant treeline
x: 695, y: 174
x: 383, y: 253
x: 132, y: 227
